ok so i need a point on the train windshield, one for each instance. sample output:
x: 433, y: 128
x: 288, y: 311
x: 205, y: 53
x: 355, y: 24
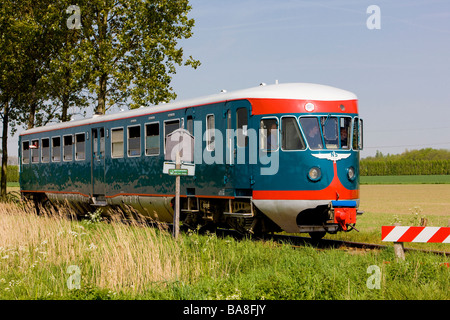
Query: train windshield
x: 345, y: 127
x: 328, y: 132
x: 311, y: 129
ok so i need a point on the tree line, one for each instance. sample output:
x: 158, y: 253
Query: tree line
x: 426, y: 161
x: 55, y: 55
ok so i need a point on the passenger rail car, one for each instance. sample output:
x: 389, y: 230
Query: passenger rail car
x: 270, y: 158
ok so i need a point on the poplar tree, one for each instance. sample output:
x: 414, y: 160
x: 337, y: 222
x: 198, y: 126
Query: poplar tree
x: 130, y: 49
x: 122, y: 52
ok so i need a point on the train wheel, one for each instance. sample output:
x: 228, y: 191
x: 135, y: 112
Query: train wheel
x: 241, y: 225
x: 208, y: 228
x: 317, y: 235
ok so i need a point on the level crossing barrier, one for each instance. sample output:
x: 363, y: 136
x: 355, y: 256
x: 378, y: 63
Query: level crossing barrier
x: 400, y: 234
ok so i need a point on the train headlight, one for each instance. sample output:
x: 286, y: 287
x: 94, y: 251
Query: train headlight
x: 351, y: 173
x: 314, y: 174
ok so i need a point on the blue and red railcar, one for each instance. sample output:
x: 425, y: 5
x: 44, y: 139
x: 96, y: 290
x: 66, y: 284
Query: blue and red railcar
x: 269, y: 158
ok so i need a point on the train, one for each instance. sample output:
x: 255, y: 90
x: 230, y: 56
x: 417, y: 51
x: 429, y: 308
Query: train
x: 271, y: 158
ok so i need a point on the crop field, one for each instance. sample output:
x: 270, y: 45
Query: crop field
x: 55, y: 257
x: 406, y: 204
x: 410, y: 179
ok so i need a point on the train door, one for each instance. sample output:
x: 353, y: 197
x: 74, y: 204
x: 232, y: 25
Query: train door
x: 239, y: 139
x: 98, y: 161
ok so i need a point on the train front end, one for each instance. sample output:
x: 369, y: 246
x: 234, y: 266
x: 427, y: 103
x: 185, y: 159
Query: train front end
x: 317, y: 140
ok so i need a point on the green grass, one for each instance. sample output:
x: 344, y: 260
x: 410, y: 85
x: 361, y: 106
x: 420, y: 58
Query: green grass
x: 13, y: 184
x: 134, y: 262
x: 413, y: 179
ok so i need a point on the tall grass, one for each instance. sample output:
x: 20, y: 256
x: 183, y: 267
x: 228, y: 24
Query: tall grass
x: 36, y: 251
x: 133, y: 261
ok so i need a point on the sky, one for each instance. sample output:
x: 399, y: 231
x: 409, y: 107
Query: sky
x: 400, y: 71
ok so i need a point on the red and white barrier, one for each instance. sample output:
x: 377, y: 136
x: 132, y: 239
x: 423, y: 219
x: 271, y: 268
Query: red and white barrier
x: 415, y: 234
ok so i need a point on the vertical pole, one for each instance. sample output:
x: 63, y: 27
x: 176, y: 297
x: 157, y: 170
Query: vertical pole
x: 176, y: 216
x: 398, y: 248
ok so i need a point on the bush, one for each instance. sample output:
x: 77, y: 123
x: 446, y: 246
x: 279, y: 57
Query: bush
x: 404, y: 167
x: 12, y: 173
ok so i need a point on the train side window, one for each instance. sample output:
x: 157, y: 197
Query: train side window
x: 210, y: 134
x: 152, y: 139
x: 102, y: 142
x: 45, y: 156
x: 241, y: 126
x: 68, y: 148
x: 26, y: 152
x: 310, y: 126
x: 56, y: 149
x: 169, y: 127
x: 117, y: 144
x: 361, y: 135
x: 268, y: 134
x: 134, y: 141
x: 80, y: 146
x: 357, y: 134
x: 34, y: 151
x: 291, y: 137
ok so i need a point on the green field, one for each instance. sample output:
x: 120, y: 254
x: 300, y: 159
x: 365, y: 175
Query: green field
x: 39, y: 257
x: 413, y: 179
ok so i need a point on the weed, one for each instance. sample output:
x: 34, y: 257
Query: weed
x: 133, y: 261
x: 94, y: 217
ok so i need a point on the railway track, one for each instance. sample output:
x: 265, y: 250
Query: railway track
x: 298, y: 241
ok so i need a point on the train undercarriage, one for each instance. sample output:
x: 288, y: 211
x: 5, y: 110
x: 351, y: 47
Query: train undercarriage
x: 203, y: 214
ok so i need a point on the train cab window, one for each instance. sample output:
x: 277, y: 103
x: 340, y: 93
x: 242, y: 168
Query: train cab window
x: 291, y: 137
x: 134, y: 141
x: 345, y: 126
x: 268, y: 134
x: 34, y: 151
x: 330, y: 132
x: 80, y: 146
x: 56, y: 149
x: 357, y: 134
x: 310, y: 126
x: 241, y: 126
x: 210, y: 134
x: 152, y: 139
x: 25, y: 152
x: 117, y: 143
x: 169, y: 127
x: 45, y: 155
x: 67, y: 148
